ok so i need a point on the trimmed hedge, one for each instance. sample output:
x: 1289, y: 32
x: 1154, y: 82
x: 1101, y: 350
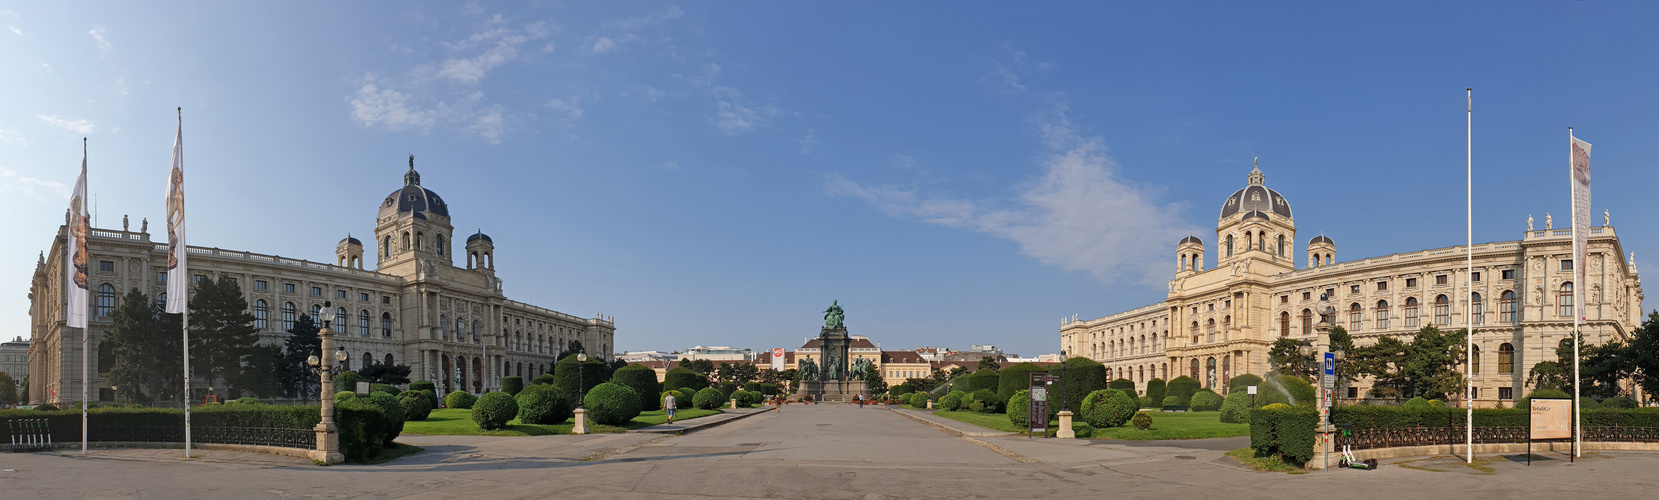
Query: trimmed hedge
x: 900, y: 390
x: 1235, y: 408
x: 987, y: 399
x: 1019, y: 408
x: 1526, y: 402
x: 1108, y: 408
x: 1618, y: 402
x: 494, y: 410
x: 683, y: 377
x: 346, y: 382
x: 1182, y: 388
x: 1082, y: 376
x: 985, y: 378
x: 952, y: 401
x: 511, y: 384
x: 1205, y: 400
x: 1014, y: 379
x: 1170, y: 401
x: 708, y: 398
x: 543, y: 404
x: 420, y: 385
x: 1121, y: 384
x: 343, y: 396
x: 1298, y: 389
x: 543, y: 379
x: 685, y: 397
x: 565, y: 376
x: 431, y: 397
x: 1284, y: 431
x: 1155, y: 390
x: 1417, y: 403
x: 918, y: 400
x: 415, y: 405
x: 1239, y: 383
x: 460, y: 399
x: 363, y: 429
x: 386, y: 388
x: 611, y: 403
x: 643, y: 380
x: 392, y: 409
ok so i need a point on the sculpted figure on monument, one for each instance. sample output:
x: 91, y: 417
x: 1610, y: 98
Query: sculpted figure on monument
x: 861, y: 368
x: 832, y: 364
x: 834, y: 315
x: 808, y: 369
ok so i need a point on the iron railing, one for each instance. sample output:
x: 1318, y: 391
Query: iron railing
x: 1362, y: 439
x: 281, y: 437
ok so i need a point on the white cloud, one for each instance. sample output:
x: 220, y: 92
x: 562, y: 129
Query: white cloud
x: 11, y: 182
x: 11, y: 136
x: 1006, y: 76
x: 735, y: 115
x: 653, y: 94
x: 570, y: 106
x: 808, y: 141
x: 389, y: 108
x: 1079, y: 215
x: 46, y: 67
x: 670, y: 166
x: 548, y: 48
x: 603, y: 45
x: 489, y: 125
x: 76, y: 126
x: 500, y: 46
x: 98, y: 34
x: 15, y: 30
x: 638, y: 23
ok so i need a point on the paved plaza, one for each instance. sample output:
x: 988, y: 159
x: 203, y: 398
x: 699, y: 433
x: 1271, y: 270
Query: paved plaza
x: 817, y: 451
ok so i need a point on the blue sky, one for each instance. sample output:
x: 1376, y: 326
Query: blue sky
x: 716, y: 173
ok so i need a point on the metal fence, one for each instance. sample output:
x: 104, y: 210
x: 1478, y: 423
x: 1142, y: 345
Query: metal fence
x: 29, y: 438
x: 1362, y: 439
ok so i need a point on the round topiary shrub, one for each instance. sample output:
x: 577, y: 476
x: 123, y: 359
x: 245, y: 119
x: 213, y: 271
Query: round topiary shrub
x: 1183, y: 387
x: 544, y: 404
x: 612, y: 404
x: 1121, y: 384
x: 386, y: 388
x: 1155, y: 390
x: 1526, y: 402
x: 431, y: 397
x: 1142, y: 420
x: 343, y: 396
x: 346, y: 382
x: 1235, y: 408
x: 46, y: 407
x: 460, y: 399
x: 989, y: 403
x: 952, y: 401
x: 511, y: 384
x: 1618, y: 402
x: 1108, y: 408
x: 1588, y: 404
x: 643, y: 380
x: 494, y: 410
x: 392, y: 409
x: 978, y: 407
x: 1239, y: 383
x: 1205, y: 400
x: 985, y: 378
x: 415, y: 405
x: 683, y: 377
x: 1417, y: 403
x: 708, y: 398
x: 685, y: 397
x: 422, y: 385
x: 1019, y: 408
x: 1171, y: 401
x: 1437, y: 403
x: 918, y: 400
x: 543, y: 379
x: 250, y: 401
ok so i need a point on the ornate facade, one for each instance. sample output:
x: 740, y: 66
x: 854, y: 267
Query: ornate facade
x: 1219, y: 322
x: 452, y: 325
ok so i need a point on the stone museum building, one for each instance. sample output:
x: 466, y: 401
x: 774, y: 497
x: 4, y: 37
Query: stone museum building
x: 1219, y: 321
x: 451, y: 323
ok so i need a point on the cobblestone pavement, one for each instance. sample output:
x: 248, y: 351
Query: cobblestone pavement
x: 819, y: 451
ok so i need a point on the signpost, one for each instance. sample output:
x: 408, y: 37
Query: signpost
x: 1551, y: 419
x: 1037, y: 411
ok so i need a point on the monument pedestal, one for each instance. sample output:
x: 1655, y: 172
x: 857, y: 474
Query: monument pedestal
x: 837, y: 392
x: 1065, y: 431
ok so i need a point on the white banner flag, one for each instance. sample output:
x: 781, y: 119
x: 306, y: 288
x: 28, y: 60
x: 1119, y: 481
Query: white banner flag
x: 75, y: 257
x: 178, y: 279
x: 1581, y: 219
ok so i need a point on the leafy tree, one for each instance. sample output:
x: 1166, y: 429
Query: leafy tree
x: 222, y: 333
x: 8, y: 389
x: 1426, y: 367
x: 921, y: 384
x: 1601, y: 367
x: 1644, y: 355
x: 256, y: 376
x: 874, y: 380
x: 989, y: 362
x: 1285, y: 357
x: 145, y: 346
x: 382, y: 373
x: 574, y: 347
x: 301, y: 379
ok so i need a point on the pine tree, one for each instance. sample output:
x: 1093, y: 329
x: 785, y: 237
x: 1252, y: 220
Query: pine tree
x: 222, y: 335
x: 300, y: 380
x: 134, y: 326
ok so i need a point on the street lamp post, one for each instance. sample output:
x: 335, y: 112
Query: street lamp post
x: 328, y: 434
x: 581, y: 416
x: 1065, y: 431
x: 1327, y: 314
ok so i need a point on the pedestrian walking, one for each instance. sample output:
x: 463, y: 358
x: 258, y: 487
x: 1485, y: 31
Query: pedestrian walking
x: 668, y: 406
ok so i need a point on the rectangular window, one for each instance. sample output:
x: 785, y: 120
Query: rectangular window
x: 1353, y: 392
x: 363, y: 297
x: 1509, y: 274
x: 1283, y: 299
x: 288, y: 288
x: 1411, y: 282
x: 1306, y: 295
x: 1477, y: 277
x: 1353, y: 289
x: 232, y: 281
x: 385, y: 299
x: 161, y: 277
x: 1440, y: 280
x: 260, y: 284
x: 1566, y: 264
x: 197, y: 279
x: 316, y: 291
x: 1330, y: 292
x: 1382, y: 286
x: 106, y: 265
x: 1506, y: 393
x: 339, y: 294
x: 1212, y: 307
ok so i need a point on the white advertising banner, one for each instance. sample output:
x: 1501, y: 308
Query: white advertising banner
x: 178, y: 279
x: 1581, y: 219
x: 75, y: 257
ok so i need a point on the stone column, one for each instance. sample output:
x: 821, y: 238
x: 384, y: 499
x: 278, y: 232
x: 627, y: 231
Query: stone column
x: 328, y: 435
x: 1065, y: 431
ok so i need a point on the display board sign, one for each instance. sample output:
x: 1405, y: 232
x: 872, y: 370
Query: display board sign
x: 1552, y: 418
x: 362, y: 388
x: 1037, y: 411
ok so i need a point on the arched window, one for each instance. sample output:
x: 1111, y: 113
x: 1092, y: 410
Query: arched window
x: 1248, y: 241
x: 405, y: 240
x: 1307, y: 321
x: 521, y: 369
x: 1209, y: 373
x: 1506, y: 307
x: 1226, y: 371
x: 1474, y: 357
x: 1284, y: 324
x: 317, y: 313
x: 1226, y: 327
x: 363, y: 322
x: 443, y: 326
x: 261, y: 314
x: 386, y: 247
x: 1563, y: 300
x: 1229, y: 245
x: 1382, y: 315
x: 367, y: 360
x: 161, y: 299
x: 1412, y: 318
x: 1281, y: 245
x: 340, y: 319
x: 440, y: 244
x: 477, y: 326
x: 389, y: 360
x: 419, y: 237
x: 1195, y: 375
x: 1477, y: 310
x: 1195, y: 333
x: 518, y: 341
x: 1356, y: 317
x: 289, y: 315
x: 1211, y: 330
x: 385, y: 324
x: 1261, y: 241
x: 1442, y: 310
x: 1506, y: 359
x: 106, y: 300
x: 460, y: 329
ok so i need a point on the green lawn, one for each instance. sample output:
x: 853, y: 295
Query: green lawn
x: 1248, y: 457
x: 1196, y: 425
x: 458, y: 422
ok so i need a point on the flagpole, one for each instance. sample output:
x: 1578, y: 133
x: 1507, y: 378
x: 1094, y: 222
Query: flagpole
x: 1468, y: 277
x: 1578, y: 294
x: 85, y: 332
x: 185, y: 311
